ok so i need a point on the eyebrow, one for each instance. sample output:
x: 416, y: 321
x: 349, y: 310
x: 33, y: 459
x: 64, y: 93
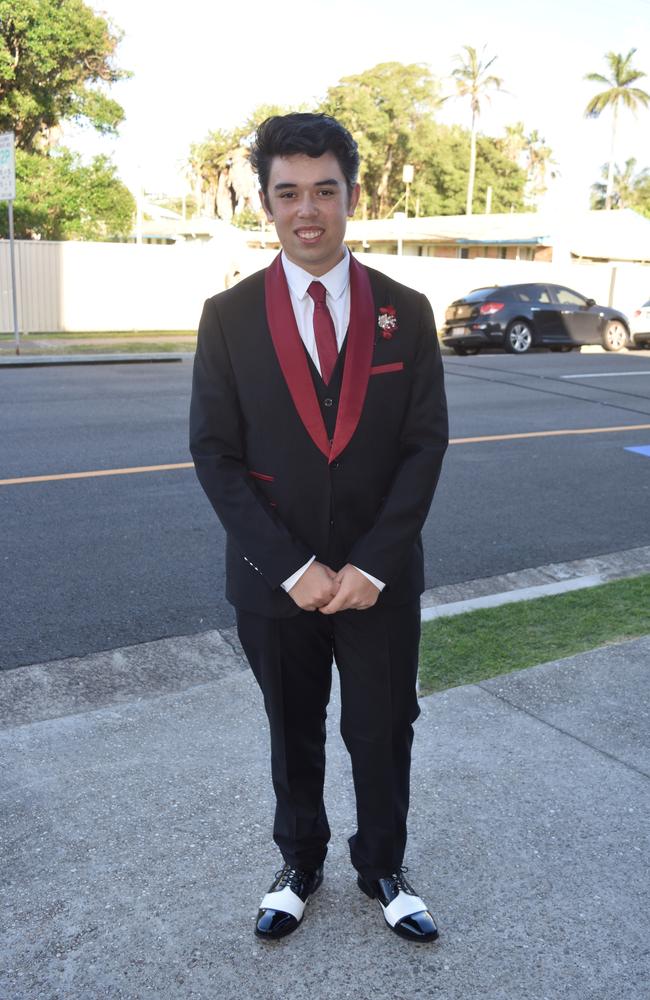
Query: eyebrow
x: 283, y: 185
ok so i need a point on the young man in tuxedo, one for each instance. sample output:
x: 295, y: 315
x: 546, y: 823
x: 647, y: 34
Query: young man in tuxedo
x: 318, y: 427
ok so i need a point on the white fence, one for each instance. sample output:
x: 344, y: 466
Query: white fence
x: 113, y: 286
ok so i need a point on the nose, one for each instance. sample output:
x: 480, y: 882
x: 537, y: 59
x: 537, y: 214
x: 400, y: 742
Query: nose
x: 307, y: 207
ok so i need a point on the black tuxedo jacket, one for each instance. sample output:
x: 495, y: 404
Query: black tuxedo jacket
x: 283, y: 489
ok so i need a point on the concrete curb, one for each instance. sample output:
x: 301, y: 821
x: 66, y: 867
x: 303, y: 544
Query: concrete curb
x: 526, y: 584
x: 54, y: 360
x: 508, y: 597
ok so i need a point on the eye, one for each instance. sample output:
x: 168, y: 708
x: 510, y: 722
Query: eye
x: 287, y: 194
x: 326, y: 192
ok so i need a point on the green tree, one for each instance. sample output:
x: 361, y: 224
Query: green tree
x: 473, y: 80
x: 210, y: 162
x: 389, y: 110
x: 629, y: 189
x: 442, y: 182
x: 55, y: 58
x: 620, y: 92
x: 530, y: 152
x: 641, y: 201
x: 540, y: 161
x: 60, y: 198
x: 383, y: 107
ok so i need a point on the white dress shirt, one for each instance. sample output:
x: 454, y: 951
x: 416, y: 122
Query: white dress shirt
x: 337, y: 285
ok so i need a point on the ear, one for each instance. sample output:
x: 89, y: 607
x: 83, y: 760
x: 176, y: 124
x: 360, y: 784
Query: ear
x: 353, y: 200
x: 265, y: 205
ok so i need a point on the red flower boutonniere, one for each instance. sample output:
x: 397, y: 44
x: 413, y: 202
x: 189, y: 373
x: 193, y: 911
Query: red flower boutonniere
x: 387, y: 321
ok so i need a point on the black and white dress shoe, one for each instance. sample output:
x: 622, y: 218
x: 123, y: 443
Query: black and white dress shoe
x: 282, y: 908
x: 404, y: 911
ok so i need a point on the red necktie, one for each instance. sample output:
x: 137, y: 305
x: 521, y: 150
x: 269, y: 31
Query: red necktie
x: 323, y: 331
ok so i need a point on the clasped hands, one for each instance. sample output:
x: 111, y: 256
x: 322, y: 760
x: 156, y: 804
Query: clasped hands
x: 321, y: 589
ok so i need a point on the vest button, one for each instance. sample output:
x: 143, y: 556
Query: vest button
x: 327, y: 402
x: 335, y: 465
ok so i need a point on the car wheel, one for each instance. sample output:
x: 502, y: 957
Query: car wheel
x: 615, y: 336
x: 462, y: 352
x: 519, y: 337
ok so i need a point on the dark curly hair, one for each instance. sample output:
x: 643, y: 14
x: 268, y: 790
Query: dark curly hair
x: 309, y: 134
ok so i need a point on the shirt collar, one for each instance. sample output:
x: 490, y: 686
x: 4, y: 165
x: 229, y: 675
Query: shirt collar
x: 336, y: 281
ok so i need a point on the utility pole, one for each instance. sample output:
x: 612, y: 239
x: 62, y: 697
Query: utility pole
x: 8, y: 194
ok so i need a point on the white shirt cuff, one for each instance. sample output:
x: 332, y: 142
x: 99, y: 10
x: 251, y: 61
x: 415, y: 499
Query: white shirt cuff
x: 293, y: 579
x: 373, y: 579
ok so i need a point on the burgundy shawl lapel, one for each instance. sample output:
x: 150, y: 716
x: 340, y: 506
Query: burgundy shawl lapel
x: 358, y: 357
x: 293, y: 359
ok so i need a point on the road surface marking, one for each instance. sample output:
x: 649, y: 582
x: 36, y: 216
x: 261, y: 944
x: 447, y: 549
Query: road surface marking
x: 641, y: 449
x: 605, y: 375
x: 541, y: 434
x: 188, y: 465
x: 96, y: 472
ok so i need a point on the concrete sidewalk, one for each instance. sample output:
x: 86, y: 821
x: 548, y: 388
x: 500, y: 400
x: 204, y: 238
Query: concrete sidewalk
x: 121, y: 825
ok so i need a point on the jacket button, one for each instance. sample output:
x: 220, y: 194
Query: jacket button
x: 335, y: 465
x: 327, y: 402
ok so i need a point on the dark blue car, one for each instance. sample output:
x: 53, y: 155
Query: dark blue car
x: 518, y: 317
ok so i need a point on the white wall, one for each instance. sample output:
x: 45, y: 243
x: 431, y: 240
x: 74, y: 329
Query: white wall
x: 115, y: 286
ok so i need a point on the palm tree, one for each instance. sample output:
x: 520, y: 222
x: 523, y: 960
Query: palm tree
x: 540, y: 160
x: 620, y: 91
x: 473, y: 80
x: 625, y: 187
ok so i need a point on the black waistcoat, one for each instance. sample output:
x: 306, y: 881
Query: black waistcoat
x: 328, y: 398
x: 329, y: 395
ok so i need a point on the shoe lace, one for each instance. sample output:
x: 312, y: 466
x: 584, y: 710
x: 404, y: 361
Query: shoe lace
x: 292, y: 878
x: 401, y: 881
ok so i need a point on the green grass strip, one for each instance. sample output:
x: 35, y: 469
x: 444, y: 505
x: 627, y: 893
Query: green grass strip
x: 466, y: 648
x: 92, y: 334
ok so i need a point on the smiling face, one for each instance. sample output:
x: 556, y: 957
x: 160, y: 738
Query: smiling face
x: 308, y: 200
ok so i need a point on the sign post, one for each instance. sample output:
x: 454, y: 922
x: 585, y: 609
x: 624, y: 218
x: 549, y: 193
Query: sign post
x: 8, y: 194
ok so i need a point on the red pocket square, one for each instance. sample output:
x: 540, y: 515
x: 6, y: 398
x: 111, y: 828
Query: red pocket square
x: 261, y: 475
x: 396, y: 366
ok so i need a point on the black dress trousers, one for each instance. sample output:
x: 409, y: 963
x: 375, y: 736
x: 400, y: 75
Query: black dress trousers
x: 376, y: 652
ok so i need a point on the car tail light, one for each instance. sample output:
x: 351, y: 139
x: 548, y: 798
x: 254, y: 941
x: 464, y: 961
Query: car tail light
x: 637, y: 312
x: 489, y: 308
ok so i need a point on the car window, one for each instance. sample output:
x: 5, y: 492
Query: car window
x: 533, y: 293
x: 478, y: 294
x: 568, y: 298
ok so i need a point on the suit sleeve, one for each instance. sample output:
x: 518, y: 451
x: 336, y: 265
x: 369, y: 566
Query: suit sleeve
x: 423, y: 443
x: 217, y: 445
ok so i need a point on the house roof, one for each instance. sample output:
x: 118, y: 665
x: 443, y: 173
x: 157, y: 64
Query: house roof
x: 620, y: 234
x: 504, y: 228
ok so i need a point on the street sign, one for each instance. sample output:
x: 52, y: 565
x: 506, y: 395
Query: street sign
x: 7, y: 167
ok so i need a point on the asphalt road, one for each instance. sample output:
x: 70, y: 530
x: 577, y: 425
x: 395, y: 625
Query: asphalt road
x: 102, y: 562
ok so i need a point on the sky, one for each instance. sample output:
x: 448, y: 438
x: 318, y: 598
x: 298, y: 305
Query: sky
x: 198, y: 66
